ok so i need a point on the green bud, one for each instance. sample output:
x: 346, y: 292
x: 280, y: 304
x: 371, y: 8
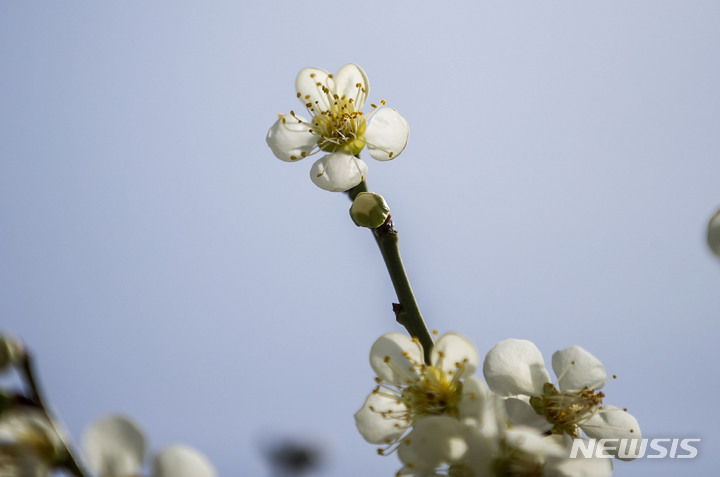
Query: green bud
x: 713, y: 234
x: 369, y: 210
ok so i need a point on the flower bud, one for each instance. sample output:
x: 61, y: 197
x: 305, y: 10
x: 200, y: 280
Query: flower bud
x: 713, y: 234
x: 11, y: 351
x: 369, y: 210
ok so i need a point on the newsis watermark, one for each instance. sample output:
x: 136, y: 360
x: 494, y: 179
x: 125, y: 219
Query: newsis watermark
x: 657, y: 448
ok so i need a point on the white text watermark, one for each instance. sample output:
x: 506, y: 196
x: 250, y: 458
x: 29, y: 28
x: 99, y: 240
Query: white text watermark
x: 657, y: 448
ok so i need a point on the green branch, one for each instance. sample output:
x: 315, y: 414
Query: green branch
x: 71, y: 463
x: 407, y: 312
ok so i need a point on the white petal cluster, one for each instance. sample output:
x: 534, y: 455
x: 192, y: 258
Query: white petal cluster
x: 408, y: 390
x: 516, y: 369
x: 114, y: 446
x: 338, y: 127
x: 443, y: 421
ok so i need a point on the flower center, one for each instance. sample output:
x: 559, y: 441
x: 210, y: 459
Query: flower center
x: 337, y: 121
x: 434, y: 394
x: 340, y: 127
x: 566, y: 410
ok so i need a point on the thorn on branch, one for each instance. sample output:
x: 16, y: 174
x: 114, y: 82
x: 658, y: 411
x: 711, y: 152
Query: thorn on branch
x: 387, y: 228
x: 397, y: 309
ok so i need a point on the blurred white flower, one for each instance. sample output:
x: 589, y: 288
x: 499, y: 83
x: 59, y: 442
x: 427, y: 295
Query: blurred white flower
x: 182, y: 461
x: 115, y: 447
x: 516, y: 369
x: 29, y: 444
x: 408, y: 390
x: 338, y: 127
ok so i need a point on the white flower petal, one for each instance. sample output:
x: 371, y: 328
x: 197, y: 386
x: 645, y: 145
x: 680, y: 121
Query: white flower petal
x: 577, y: 369
x: 306, y: 84
x: 114, y: 446
x: 458, y: 355
x: 713, y: 233
x: 289, y: 139
x: 495, y: 416
x: 521, y: 413
x: 182, y: 461
x: 474, y: 400
x: 387, y: 134
x: 614, y: 423
x: 338, y: 172
x: 578, y: 466
x: 515, y: 367
x: 434, y: 441
x: 375, y: 424
x: 533, y: 443
x: 346, y: 81
x: 483, y: 449
x: 395, y: 358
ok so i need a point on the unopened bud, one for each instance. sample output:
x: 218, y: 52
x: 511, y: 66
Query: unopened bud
x: 369, y: 210
x: 11, y: 351
x: 713, y: 234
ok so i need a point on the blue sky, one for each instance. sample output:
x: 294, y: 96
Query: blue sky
x: 561, y: 169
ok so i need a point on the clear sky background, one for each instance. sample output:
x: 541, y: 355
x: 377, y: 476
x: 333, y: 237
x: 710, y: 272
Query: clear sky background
x: 562, y: 166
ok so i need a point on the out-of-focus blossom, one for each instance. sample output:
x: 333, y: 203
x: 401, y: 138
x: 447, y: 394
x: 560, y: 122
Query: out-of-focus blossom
x: 182, y: 461
x: 11, y: 351
x: 29, y: 444
x: 115, y: 447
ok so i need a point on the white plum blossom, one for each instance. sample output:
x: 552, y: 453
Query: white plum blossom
x: 337, y: 127
x: 516, y: 369
x: 408, y: 389
x: 442, y: 445
x: 115, y: 447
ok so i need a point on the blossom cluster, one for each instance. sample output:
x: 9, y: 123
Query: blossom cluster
x: 32, y: 444
x: 441, y: 419
x: 115, y: 446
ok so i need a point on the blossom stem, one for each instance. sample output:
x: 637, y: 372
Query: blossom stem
x: 407, y: 312
x: 26, y: 368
